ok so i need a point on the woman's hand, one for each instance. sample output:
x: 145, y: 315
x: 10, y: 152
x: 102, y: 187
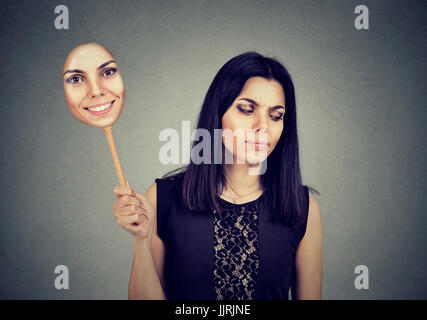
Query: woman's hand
x: 133, y: 212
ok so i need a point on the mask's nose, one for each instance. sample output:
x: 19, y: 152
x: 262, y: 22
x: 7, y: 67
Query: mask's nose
x: 96, y: 88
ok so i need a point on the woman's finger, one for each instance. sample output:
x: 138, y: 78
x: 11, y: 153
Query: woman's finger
x: 142, y: 199
x: 127, y: 221
x: 128, y: 211
x: 132, y: 190
x: 124, y: 201
x: 120, y: 191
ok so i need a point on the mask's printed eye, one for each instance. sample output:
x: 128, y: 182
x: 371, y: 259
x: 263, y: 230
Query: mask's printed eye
x: 75, y: 79
x: 245, y: 108
x: 107, y: 73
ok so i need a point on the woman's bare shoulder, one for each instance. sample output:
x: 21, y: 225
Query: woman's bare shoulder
x: 313, y: 203
x: 314, y: 221
x: 151, y: 194
x: 166, y: 186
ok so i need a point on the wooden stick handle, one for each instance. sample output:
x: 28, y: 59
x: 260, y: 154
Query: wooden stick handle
x: 109, y: 134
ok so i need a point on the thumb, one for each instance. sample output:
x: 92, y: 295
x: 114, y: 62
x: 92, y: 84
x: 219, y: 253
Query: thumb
x: 135, y: 194
x: 132, y: 190
x: 141, y: 197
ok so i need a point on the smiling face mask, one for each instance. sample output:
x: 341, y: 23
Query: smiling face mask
x: 93, y: 86
x: 94, y: 91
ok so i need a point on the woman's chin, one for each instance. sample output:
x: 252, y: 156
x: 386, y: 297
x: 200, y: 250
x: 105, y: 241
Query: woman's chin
x: 252, y: 160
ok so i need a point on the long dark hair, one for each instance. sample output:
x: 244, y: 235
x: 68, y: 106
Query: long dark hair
x: 282, y: 183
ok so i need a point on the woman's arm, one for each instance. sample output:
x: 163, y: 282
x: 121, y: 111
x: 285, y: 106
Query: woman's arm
x: 147, y: 268
x: 308, y: 261
x: 144, y: 282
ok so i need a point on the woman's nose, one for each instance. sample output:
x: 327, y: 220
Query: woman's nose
x: 261, y: 122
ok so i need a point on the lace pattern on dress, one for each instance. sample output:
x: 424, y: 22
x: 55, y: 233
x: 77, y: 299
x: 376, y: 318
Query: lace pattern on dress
x: 236, y: 250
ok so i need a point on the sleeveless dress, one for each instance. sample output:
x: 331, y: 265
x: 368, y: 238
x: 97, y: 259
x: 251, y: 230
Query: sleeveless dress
x: 237, y: 254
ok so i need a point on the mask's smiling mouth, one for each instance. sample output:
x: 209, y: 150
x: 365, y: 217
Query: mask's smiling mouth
x: 100, y: 108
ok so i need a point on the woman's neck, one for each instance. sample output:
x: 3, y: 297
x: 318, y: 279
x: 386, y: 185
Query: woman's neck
x: 241, y: 181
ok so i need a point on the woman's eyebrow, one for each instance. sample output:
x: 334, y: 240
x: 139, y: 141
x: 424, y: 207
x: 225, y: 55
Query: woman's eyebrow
x: 80, y: 71
x: 256, y: 104
x: 250, y: 101
x: 278, y: 107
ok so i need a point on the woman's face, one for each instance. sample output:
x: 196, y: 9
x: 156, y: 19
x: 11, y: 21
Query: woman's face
x: 258, y: 112
x: 94, y: 89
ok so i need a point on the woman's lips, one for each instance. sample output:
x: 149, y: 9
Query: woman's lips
x: 257, y: 145
x: 100, y: 109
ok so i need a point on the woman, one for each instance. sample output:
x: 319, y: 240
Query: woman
x: 217, y: 230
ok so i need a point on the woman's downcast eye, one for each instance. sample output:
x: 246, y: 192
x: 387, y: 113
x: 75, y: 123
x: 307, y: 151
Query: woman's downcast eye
x: 277, y: 117
x: 248, y: 109
x: 245, y: 108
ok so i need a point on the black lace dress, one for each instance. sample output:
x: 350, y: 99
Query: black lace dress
x: 236, y: 254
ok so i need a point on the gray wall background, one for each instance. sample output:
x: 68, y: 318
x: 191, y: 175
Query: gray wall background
x: 361, y: 113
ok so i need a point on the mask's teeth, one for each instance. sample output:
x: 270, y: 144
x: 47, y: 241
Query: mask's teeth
x: 100, y: 108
